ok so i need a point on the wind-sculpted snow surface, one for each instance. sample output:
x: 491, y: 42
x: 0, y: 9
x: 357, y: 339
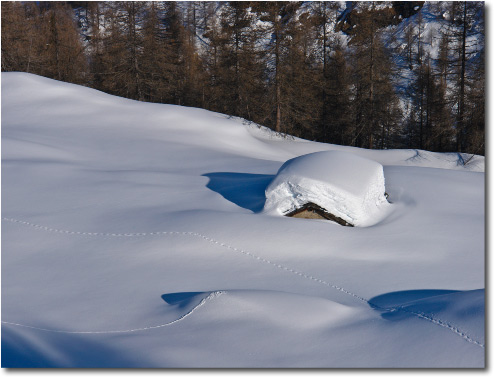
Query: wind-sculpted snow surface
x: 133, y: 235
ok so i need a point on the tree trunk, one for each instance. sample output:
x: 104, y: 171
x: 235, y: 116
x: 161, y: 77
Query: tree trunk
x: 461, y: 103
x: 371, y: 89
x: 325, y: 76
x: 277, y: 76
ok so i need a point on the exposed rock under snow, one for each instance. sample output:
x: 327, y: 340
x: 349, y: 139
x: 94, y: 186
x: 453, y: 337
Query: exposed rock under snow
x: 344, y: 184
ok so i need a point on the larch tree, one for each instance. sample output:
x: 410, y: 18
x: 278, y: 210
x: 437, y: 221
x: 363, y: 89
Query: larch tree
x: 333, y: 86
x: 276, y: 17
x: 43, y: 40
x: 65, y: 58
x: 374, y: 96
x: 338, y: 122
x: 320, y: 70
x: 20, y: 44
x: 300, y: 76
x: 153, y: 54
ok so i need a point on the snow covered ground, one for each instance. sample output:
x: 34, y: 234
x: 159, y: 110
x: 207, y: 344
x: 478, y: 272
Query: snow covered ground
x: 133, y: 235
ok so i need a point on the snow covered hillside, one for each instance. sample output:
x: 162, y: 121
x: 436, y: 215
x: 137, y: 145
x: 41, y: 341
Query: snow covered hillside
x: 133, y: 235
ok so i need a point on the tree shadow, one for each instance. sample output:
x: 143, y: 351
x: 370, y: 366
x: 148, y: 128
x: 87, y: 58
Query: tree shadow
x: 244, y: 190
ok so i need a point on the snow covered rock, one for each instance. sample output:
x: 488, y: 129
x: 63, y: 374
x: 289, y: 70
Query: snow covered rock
x: 343, y: 184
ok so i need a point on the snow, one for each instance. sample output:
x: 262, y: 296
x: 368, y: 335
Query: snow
x: 133, y: 235
x: 348, y: 186
x: 434, y: 20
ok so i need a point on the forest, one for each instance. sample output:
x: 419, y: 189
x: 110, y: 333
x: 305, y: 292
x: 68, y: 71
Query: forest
x: 376, y: 75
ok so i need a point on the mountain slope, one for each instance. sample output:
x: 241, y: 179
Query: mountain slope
x: 133, y: 236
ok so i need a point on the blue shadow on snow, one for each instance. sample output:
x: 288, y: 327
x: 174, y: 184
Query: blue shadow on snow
x: 244, y: 190
x: 181, y: 299
x: 395, y: 305
x: 28, y: 348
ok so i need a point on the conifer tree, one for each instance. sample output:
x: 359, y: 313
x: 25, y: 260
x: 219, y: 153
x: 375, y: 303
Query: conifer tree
x: 334, y: 85
x: 338, y: 125
x: 276, y: 16
x: 43, y: 40
x: 280, y: 64
x: 153, y: 55
x: 20, y: 47
x: 375, y: 100
x: 300, y: 69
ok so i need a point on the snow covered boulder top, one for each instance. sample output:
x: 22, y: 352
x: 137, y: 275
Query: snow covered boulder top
x: 343, y: 184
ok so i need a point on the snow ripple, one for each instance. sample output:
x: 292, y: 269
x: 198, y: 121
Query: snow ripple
x: 424, y: 316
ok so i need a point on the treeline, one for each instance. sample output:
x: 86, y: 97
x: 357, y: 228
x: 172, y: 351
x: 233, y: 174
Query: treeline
x: 374, y: 75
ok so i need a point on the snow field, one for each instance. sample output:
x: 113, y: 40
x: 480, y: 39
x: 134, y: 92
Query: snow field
x: 133, y: 236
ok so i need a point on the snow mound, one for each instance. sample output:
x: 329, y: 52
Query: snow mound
x: 344, y: 184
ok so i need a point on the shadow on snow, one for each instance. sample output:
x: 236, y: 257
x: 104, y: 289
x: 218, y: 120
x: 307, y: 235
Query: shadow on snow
x: 400, y: 305
x: 244, y: 190
x: 181, y: 299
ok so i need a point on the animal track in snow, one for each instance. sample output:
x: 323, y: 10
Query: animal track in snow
x: 424, y: 316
